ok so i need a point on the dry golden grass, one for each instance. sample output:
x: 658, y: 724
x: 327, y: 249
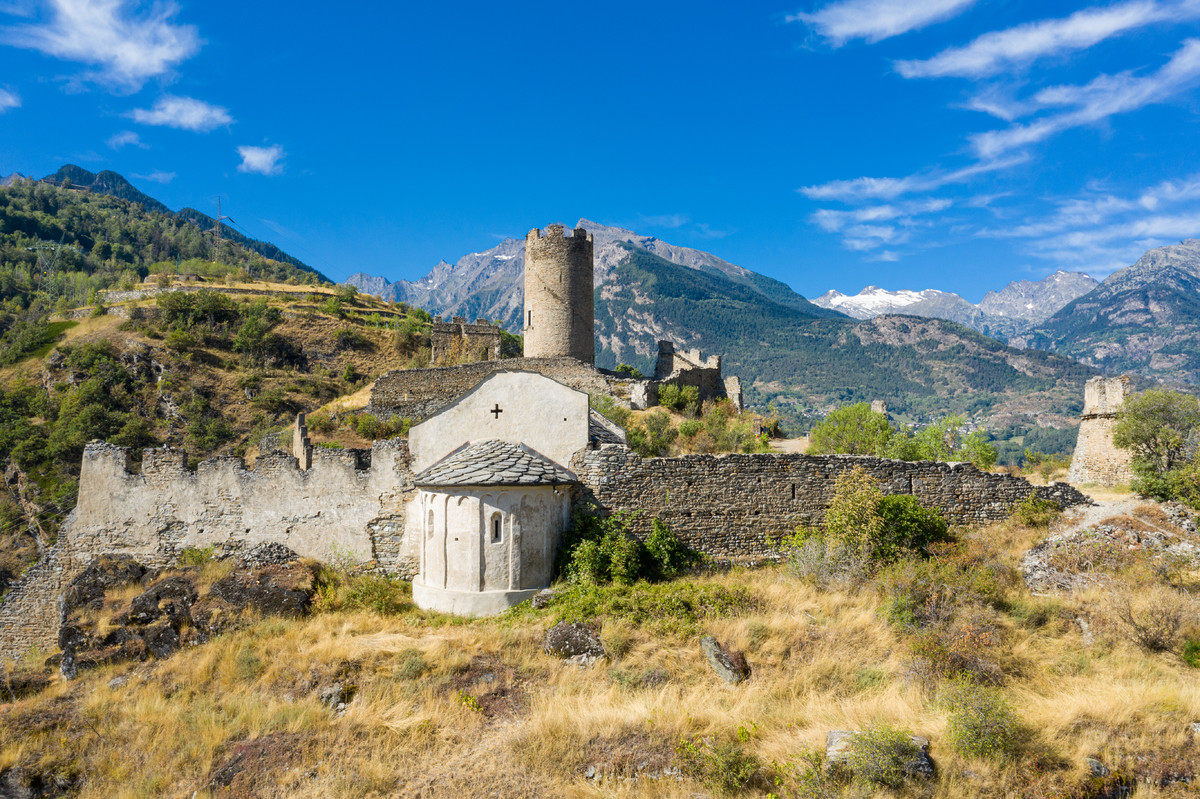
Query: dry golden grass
x: 452, y: 708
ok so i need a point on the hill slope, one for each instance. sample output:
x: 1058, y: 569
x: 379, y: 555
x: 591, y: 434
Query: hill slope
x: 114, y: 185
x: 1144, y: 319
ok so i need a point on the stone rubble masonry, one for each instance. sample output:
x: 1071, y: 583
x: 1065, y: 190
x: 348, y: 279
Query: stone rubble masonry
x: 457, y: 341
x: 417, y: 394
x: 1097, y: 461
x: 728, y: 506
x: 559, y: 300
x: 353, y: 503
x: 693, y: 369
x: 350, y: 503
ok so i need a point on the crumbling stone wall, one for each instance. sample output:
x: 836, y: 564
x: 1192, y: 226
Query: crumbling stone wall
x: 1097, y: 461
x: 689, y: 369
x: 417, y: 394
x: 457, y: 341
x: 348, y: 503
x: 729, y: 505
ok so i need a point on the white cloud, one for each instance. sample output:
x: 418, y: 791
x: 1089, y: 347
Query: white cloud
x: 665, y: 220
x: 183, y: 112
x: 834, y: 221
x: 158, y: 177
x: 875, y: 20
x: 8, y: 100
x: 125, y: 137
x: 261, y: 160
x: 1105, y: 96
x: 859, y: 189
x: 999, y: 51
x: 126, y: 47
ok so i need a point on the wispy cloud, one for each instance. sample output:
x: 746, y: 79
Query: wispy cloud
x: 261, y: 160
x: 8, y: 100
x: 671, y: 221
x: 186, y: 113
x: 1105, y: 96
x: 127, y: 48
x: 1000, y: 51
x: 875, y: 20
x: 834, y: 221
x: 124, y: 138
x: 860, y: 189
x: 158, y: 177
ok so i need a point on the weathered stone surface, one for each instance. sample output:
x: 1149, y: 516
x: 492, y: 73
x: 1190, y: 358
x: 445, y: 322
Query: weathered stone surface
x: 171, y: 597
x: 1096, y: 459
x: 840, y: 743
x: 269, y: 591
x: 730, y: 666
x: 727, y: 506
x: 571, y: 639
x: 87, y: 589
x: 542, y: 598
x: 268, y: 553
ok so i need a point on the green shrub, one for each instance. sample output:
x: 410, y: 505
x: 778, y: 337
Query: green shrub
x: 196, y: 556
x: 690, y: 427
x: 981, y: 723
x: 667, y: 556
x: 652, y: 439
x: 1191, y: 652
x: 908, y: 526
x: 632, y: 372
x: 1033, y: 511
x: 347, y: 338
x: 610, y: 409
x: 685, y: 399
x: 721, y: 765
x: 882, y: 756
x: 412, y: 664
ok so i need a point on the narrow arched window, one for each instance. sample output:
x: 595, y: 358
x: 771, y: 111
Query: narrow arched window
x: 497, y: 529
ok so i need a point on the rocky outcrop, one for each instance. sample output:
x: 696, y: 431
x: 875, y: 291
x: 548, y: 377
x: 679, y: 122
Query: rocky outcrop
x: 574, y: 641
x: 173, y: 611
x: 729, y: 664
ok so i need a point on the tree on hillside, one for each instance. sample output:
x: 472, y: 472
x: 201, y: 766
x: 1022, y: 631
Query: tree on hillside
x: 1162, y: 430
x: 851, y: 430
x: 1159, y: 427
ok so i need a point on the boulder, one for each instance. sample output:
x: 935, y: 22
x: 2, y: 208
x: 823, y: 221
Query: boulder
x: 172, y: 597
x: 569, y: 640
x: 105, y: 572
x: 542, y: 598
x: 269, y: 591
x: 268, y: 554
x: 730, y: 665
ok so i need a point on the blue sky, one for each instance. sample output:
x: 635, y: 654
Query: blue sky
x: 955, y: 144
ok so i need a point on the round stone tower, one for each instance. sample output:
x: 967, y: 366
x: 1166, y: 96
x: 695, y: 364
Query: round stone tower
x: 559, y: 312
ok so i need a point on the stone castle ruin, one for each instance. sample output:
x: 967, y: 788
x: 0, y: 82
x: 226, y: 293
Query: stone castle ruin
x: 1097, y: 461
x: 471, y: 506
x: 457, y: 341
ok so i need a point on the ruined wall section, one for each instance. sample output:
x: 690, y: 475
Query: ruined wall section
x: 457, y: 341
x: 559, y: 295
x: 417, y: 394
x: 350, y: 503
x: 690, y: 368
x: 1097, y: 461
x: 727, y: 506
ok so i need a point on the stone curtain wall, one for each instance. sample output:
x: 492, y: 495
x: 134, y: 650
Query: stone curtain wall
x: 728, y: 505
x: 1097, y: 461
x: 417, y: 394
x: 348, y: 504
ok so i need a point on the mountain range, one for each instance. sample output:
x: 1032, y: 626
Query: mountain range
x: 789, y: 352
x: 1001, y: 314
x: 1143, y: 319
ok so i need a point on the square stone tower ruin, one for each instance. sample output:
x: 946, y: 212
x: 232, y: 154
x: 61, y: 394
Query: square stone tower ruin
x: 559, y: 305
x: 1097, y: 461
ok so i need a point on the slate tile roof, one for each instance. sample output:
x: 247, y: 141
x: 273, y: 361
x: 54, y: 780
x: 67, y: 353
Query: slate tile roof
x: 603, y: 431
x: 492, y: 463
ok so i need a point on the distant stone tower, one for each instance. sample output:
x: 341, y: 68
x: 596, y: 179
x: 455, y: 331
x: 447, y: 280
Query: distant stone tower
x: 1097, y: 460
x: 559, y: 312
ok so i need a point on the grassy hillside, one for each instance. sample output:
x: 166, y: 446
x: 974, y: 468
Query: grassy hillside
x: 210, y: 371
x: 437, y: 706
